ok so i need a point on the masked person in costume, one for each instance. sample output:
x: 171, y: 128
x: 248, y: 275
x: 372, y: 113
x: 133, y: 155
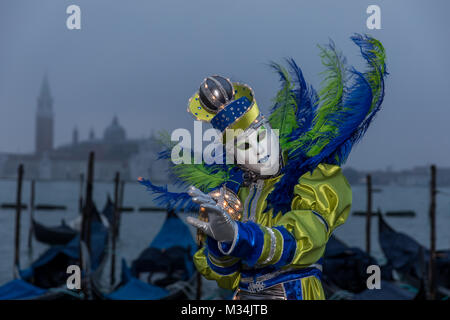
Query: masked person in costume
x: 268, y: 215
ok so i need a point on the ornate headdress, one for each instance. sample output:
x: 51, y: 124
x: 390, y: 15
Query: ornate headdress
x: 224, y: 104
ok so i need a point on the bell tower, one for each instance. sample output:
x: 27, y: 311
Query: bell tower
x: 44, y: 119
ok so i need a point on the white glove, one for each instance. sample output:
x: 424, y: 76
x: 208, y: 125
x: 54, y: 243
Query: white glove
x: 220, y: 225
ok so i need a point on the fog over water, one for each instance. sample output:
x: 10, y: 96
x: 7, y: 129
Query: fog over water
x: 142, y: 60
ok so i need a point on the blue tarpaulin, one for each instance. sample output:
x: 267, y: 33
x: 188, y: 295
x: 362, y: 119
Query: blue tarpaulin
x: 99, y: 240
x: 20, y: 289
x: 173, y: 233
x: 134, y: 289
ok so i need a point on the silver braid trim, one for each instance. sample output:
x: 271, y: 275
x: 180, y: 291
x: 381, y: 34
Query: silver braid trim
x: 273, y: 245
x: 222, y: 260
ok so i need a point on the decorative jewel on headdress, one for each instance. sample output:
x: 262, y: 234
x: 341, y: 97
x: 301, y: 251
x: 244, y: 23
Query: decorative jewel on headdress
x: 215, y: 93
x: 224, y: 104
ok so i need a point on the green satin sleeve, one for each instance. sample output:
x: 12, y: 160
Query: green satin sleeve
x: 321, y: 203
x: 327, y: 192
x: 229, y: 281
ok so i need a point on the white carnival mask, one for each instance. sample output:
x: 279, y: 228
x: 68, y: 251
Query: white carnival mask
x: 258, y: 150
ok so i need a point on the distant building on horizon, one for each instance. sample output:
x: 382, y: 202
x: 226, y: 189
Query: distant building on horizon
x: 44, y: 120
x: 418, y: 176
x: 113, y: 151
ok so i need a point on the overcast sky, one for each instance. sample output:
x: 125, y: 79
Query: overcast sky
x: 142, y: 60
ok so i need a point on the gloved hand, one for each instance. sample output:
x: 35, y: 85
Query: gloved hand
x: 220, y: 225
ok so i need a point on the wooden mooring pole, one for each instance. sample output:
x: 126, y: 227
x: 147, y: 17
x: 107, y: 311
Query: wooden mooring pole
x: 431, y: 269
x: 80, y: 198
x: 31, y: 228
x: 369, y: 212
x: 121, y: 196
x: 115, y: 228
x: 89, y: 202
x: 17, y: 225
x: 85, y: 233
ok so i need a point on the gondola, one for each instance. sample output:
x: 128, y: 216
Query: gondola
x: 345, y: 275
x: 410, y: 259
x: 344, y: 266
x: 46, y: 277
x: 164, y: 270
x: 65, y: 232
x: 54, y: 235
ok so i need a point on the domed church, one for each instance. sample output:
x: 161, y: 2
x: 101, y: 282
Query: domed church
x: 114, y: 132
x: 113, y: 152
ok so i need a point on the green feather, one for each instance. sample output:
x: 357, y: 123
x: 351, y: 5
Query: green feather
x: 377, y: 70
x: 200, y: 176
x: 285, y: 106
x: 330, y: 102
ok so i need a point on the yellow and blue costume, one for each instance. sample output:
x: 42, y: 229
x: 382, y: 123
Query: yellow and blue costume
x: 288, y: 218
x: 283, y: 248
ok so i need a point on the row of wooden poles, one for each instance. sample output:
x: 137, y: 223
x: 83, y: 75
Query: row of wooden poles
x: 431, y: 287
x: 85, y: 207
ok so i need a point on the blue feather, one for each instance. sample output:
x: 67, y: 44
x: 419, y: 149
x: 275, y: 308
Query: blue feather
x: 361, y: 101
x: 306, y: 96
x: 356, y: 105
x: 376, y: 63
x: 165, y: 154
x: 281, y: 72
x: 177, y: 201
